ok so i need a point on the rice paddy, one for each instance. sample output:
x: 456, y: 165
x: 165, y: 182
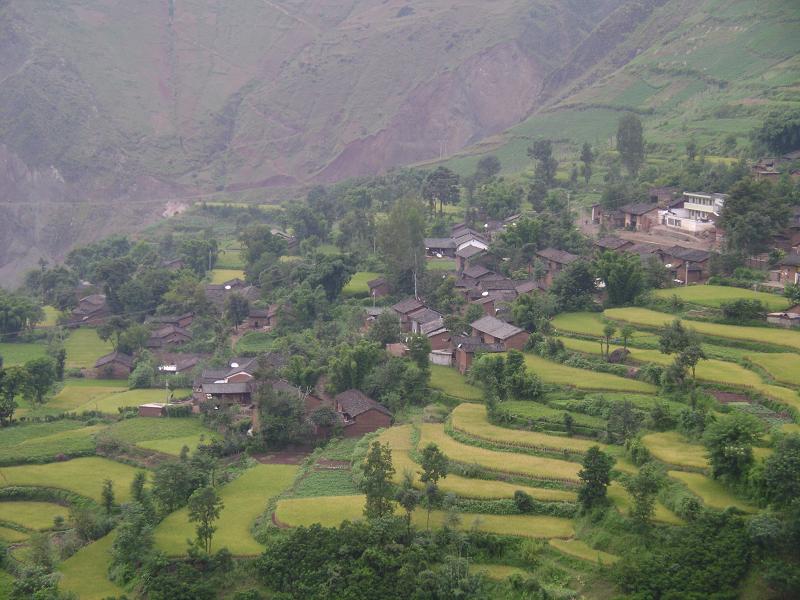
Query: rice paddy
x: 453, y: 383
x: 219, y: 276
x: 357, y: 286
x: 84, y: 347
x: 553, y: 372
x: 672, y: 448
x: 31, y: 515
x: 712, y: 493
x: 581, y: 550
x: 86, y: 572
x: 715, y: 295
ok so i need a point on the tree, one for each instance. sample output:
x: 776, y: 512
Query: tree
x: 780, y: 477
x: 199, y: 254
x: 792, y: 292
x: 41, y: 377
x: 442, y: 186
x: 753, y: 213
x: 626, y: 333
x: 622, y: 274
x: 385, y: 329
x: 675, y: 338
x: 691, y: 150
x: 419, y: 349
x: 643, y: 487
x: 407, y: 497
x: 573, y: 286
x: 487, y: 167
x: 258, y: 242
x: 237, y: 307
x: 655, y: 275
x: 112, y: 328
x: 587, y: 158
x: 542, y: 151
x: 133, y: 543
x: 434, y: 466
x: 595, y: 478
x: 690, y: 356
x: 730, y: 445
x: 18, y: 314
x: 608, y: 332
x: 13, y: 381
x: 282, y: 419
x: 500, y: 198
x: 350, y: 365
x: 377, y: 481
x: 630, y: 142
x: 780, y: 132
x: 204, y: 508
x: 401, y: 244
x: 137, y: 487
x: 107, y: 496
x: 532, y: 311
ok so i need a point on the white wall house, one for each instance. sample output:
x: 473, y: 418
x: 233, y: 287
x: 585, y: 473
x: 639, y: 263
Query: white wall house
x: 698, y: 214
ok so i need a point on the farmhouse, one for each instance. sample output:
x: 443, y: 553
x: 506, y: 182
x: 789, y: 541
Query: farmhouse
x: 687, y: 264
x: 91, y: 310
x: 491, y: 330
x: 177, y: 363
x: 422, y: 317
x: 116, y: 365
x: 466, y: 255
x: 612, y: 244
x: 789, y: 267
x: 152, y: 409
x: 168, y: 335
x: 217, y: 294
x: 404, y: 310
x: 361, y: 414
x: 183, y: 320
x: 226, y: 386
x: 639, y: 216
x: 440, y: 247
x: 259, y: 318
x: 465, y: 348
x: 438, y: 335
x: 378, y: 288
x: 555, y: 261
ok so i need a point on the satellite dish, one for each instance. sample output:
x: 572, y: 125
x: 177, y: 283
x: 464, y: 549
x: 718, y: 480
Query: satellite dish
x: 234, y: 365
x: 484, y: 293
x: 227, y: 287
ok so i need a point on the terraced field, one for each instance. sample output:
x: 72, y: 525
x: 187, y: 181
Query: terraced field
x: 44, y: 441
x: 453, y: 383
x: 162, y: 435
x: 32, y: 515
x: 17, y: 353
x: 84, y: 348
x: 556, y: 373
x: 672, y: 448
x: 357, y: 286
x: 624, y: 502
x: 715, y: 295
x: 219, y: 276
x: 541, y: 412
x: 581, y: 550
x: 332, y: 510
x: 711, y: 492
x: 86, y: 572
x: 784, y: 367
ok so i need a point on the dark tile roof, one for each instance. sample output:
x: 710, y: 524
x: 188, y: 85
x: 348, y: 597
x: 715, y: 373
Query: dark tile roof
x: 169, y: 329
x: 496, y: 328
x: 470, y: 251
x: 561, y: 257
x: 424, y: 315
x: 689, y: 254
x: 120, y: 357
x: 476, y: 272
x: 790, y: 260
x: 503, y: 283
x: 258, y: 313
x: 611, y: 242
x: 227, y: 388
x: 639, y: 208
x: 407, y: 306
x: 447, y: 243
x: 432, y: 327
x: 474, y: 344
x: 373, y: 283
x: 526, y: 287
x: 355, y: 402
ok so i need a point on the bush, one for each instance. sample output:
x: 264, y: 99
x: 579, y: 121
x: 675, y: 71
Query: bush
x: 742, y: 310
x: 523, y: 501
x: 181, y: 410
x: 142, y: 377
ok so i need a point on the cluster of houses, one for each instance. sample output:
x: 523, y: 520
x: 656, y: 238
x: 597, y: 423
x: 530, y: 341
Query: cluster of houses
x: 685, y: 265
x: 772, y: 168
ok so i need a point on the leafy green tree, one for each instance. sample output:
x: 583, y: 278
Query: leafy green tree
x: 13, y: 382
x: 419, y: 349
x: 675, y: 338
x: 199, y: 254
x: 258, y: 241
x: 401, y: 244
x: 573, y: 286
x: 303, y: 306
x: 499, y: 198
x: 407, y: 497
x: 332, y: 272
x: 587, y: 159
x: 630, y: 142
x: 626, y: 333
x: 690, y: 356
x: 442, y: 186
x: 41, y: 377
x: 107, y: 496
x: 385, y: 329
x: 780, y: 477
x: 350, y: 365
x: 643, y: 488
x: 730, y: 445
x: 691, y: 150
x: 792, y: 293
x: 377, y: 481
x: 18, y: 314
x: 654, y: 274
x: 780, y: 131
x: 282, y: 417
x: 595, y: 478
x: 489, y: 371
x: 547, y: 165
x: 532, y: 311
x: 488, y: 166
x: 185, y: 294
x: 752, y: 215
x: 435, y: 466
x: 609, y: 330
x: 133, y: 544
x: 237, y: 307
x: 622, y: 274
x: 204, y: 507
x: 137, y: 487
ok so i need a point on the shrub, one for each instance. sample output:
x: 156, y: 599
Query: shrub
x: 142, y: 377
x: 742, y: 310
x: 523, y: 501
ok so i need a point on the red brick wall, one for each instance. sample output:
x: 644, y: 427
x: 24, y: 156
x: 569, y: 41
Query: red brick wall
x: 518, y: 341
x: 440, y: 341
x: 150, y: 411
x: 463, y: 361
x: 367, y: 422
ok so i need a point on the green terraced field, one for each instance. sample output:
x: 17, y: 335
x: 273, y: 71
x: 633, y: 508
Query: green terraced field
x: 32, y: 515
x: 782, y: 366
x: 85, y: 573
x: 357, y: 286
x: 624, y: 502
x: 84, y: 348
x: 499, y: 572
x: 712, y: 493
x: 83, y: 476
x: 254, y: 341
x: 553, y: 372
x: 222, y: 275
x: 167, y: 435
x: 672, y: 448
x: 715, y: 295
x: 43, y: 441
x: 332, y: 510
x: 11, y: 536
x: 453, y: 383
x: 583, y: 551
x: 763, y: 335
x: 20, y: 353
x: 541, y: 412
x: 245, y: 498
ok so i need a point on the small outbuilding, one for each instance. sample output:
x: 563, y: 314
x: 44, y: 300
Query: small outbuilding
x: 116, y: 365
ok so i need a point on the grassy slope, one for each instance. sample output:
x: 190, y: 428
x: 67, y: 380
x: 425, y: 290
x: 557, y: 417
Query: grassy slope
x: 83, y: 476
x: 552, y: 372
x: 672, y: 448
x: 537, y: 411
x: 163, y: 435
x: 43, y: 441
x: 715, y: 295
x: 583, y: 551
x: 84, y: 348
x: 710, y: 492
x: 453, y: 383
x: 782, y: 366
x: 32, y: 515
x: 357, y: 286
x: 19, y: 353
x: 222, y: 275
x: 84, y: 573
x: 245, y: 499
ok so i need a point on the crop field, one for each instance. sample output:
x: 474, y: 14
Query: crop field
x: 782, y: 366
x: 624, y: 502
x: 32, y: 515
x: 222, y: 275
x: 83, y: 476
x: 254, y: 341
x: 332, y: 510
x: 440, y: 264
x: 44, y: 441
x: 85, y: 573
x: 11, y: 536
x: 711, y: 492
x: 764, y: 335
x: 583, y: 551
x: 453, y: 383
x: 357, y: 286
x: 471, y: 419
x: 541, y: 412
x: 167, y: 435
x: 229, y: 258
x: 398, y: 439
x: 672, y: 448
x: 17, y: 353
x: 715, y: 295
x: 84, y: 348
x: 502, y: 462
x: 553, y: 372
x: 584, y: 323
x: 245, y: 498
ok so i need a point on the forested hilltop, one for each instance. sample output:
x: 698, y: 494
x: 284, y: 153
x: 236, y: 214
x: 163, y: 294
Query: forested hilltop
x: 425, y: 384
x: 113, y: 115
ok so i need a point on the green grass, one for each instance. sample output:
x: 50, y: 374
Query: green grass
x: 552, y: 372
x: 763, y: 335
x: 254, y: 341
x: 223, y: 275
x: 50, y: 316
x: 440, y: 264
x: 330, y: 511
x: 453, y: 383
x: 471, y: 419
x: 624, y: 502
x: 782, y: 366
x: 715, y: 295
x: 399, y: 441
x: 11, y: 536
x: 245, y: 498
x: 357, y: 286
x: 14, y: 353
x: 581, y: 550
x: 711, y: 492
x: 584, y: 323
x: 84, y: 348
x: 337, y: 482
x: 83, y: 476
x: 43, y: 441
x: 499, y: 572
x: 229, y: 258
x: 672, y: 448
x: 85, y: 573
x: 32, y: 515
x: 540, y: 412
x: 167, y: 435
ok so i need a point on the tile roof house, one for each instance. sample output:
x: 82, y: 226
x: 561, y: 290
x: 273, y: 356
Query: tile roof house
x: 420, y: 317
x: 168, y: 335
x: 404, y: 309
x: 116, y: 365
x: 554, y: 261
x: 183, y: 320
x: 687, y: 265
x: 91, y: 310
x: 465, y: 348
x: 378, y: 288
x: 640, y: 216
x: 440, y: 247
x: 227, y: 385
x: 360, y: 413
x: 789, y: 267
x: 612, y: 243
x: 494, y: 331
x: 218, y: 293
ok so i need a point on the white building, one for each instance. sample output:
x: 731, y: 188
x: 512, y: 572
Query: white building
x: 698, y: 213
